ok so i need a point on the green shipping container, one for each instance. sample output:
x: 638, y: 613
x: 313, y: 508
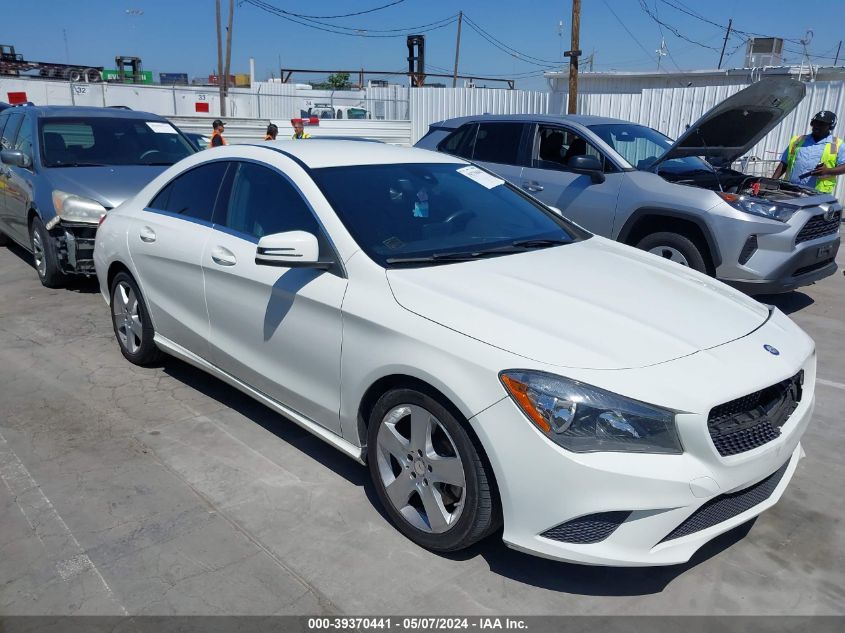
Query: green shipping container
x: 112, y: 75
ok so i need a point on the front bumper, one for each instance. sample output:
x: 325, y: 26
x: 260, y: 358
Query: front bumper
x: 75, y: 246
x: 542, y: 486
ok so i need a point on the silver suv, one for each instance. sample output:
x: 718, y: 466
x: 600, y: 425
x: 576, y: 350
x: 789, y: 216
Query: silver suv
x: 679, y: 200
x: 63, y: 167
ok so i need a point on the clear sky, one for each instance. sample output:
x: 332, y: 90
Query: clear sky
x: 179, y: 35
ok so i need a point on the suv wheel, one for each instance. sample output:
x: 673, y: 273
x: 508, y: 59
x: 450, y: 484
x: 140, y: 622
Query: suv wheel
x: 428, y: 472
x: 45, y: 255
x: 131, y: 322
x: 674, y: 247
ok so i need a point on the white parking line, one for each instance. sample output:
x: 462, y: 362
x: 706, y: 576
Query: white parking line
x: 59, y: 542
x: 830, y: 383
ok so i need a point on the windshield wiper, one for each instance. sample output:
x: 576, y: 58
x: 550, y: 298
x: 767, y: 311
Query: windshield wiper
x: 516, y: 246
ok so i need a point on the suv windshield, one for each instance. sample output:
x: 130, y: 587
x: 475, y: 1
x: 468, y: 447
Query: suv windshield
x: 94, y: 141
x: 641, y: 146
x: 422, y: 214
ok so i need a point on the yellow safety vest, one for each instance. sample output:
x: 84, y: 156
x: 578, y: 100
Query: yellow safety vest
x: 824, y: 184
x: 304, y: 135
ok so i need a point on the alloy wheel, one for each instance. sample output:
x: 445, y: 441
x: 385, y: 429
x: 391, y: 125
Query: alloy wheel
x: 127, y: 318
x: 670, y: 253
x: 420, y: 468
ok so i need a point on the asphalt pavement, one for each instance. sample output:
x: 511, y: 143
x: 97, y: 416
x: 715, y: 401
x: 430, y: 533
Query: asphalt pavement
x: 163, y: 491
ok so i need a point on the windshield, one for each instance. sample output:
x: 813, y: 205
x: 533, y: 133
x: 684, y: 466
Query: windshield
x: 407, y: 214
x: 641, y: 146
x: 94, y: 141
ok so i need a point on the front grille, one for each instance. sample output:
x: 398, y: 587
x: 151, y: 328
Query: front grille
x: 587, y: 529
x: 724, y: 507
x: 817, y: 227
x: 751, y: 421
x: 808, y: 269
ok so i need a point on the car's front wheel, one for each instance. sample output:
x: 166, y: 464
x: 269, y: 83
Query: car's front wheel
x: 130, y: 319
x: 428, y: 472
x: 45, y: 255
x: 674, y: 247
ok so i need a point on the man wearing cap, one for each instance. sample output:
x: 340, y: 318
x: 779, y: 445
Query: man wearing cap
x: 814, y: 160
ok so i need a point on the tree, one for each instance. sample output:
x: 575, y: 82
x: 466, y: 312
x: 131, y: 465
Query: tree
x: 338, y: 81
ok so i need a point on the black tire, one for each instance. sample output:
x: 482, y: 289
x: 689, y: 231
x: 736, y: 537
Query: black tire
x: 680, y: 243
x: 46, y: 256
x: 137, y: 350
x: 479, y: 515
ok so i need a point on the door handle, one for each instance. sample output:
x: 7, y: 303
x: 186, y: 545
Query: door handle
x: 223, y: 256
x: 532, y: 185
x: 148, y: 235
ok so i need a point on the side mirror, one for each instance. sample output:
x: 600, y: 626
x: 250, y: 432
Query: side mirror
x: 586, y: 164
x: 293, y: 249
x: 15, y: 157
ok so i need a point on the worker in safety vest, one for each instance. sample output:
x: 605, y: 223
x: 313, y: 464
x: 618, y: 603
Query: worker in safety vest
x: 217, y: 137
x: 299, y: 130
x: 272, y: 131
x: 814, y: 160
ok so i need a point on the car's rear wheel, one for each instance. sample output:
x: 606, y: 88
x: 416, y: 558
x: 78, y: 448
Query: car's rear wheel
x: 131, y: 322
x: 428, y: 472
x: 674, y: 247
x: 45, y: 255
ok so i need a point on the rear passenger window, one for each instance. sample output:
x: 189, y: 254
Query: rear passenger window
x: 498, y: 143
x: 192, y: 194
x: 460, y: 142
x: 263, y: 202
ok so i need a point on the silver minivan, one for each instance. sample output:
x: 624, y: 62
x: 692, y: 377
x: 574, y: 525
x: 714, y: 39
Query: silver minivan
x: 680, y: 200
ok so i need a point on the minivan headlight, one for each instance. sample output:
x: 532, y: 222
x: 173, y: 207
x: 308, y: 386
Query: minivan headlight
x: 758, y: 206
x: 72, y: 208
x: 583, y: 418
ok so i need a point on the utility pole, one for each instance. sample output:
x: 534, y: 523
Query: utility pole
x: 725, y: 43
x: 228, y: 48
x: 457, y: 49
x: 837, y: 52
x: 220, y: 62
x: 573, y: 55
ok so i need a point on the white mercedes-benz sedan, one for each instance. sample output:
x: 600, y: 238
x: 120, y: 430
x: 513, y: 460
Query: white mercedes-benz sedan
x: 493, y: 364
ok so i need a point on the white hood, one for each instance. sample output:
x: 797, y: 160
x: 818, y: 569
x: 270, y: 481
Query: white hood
x: 594, y: 304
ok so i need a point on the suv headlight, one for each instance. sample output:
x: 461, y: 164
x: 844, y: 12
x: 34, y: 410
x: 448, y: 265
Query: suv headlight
x: 585, y: 419
x: 758, y: 206
x: 72, y: 208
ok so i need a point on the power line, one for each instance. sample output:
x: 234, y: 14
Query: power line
x: 332, y: 17
x: 352, y: 31
x: 672, y: 29
x: 507, y: 48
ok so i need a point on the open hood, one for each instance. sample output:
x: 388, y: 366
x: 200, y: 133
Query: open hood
x: 734, y: 126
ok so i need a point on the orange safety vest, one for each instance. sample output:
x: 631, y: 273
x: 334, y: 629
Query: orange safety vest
x: 268, y: 138
x: 216, y: 133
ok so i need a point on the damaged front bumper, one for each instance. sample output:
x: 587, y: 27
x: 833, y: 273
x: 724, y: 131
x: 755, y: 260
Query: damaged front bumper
x: 75, y: 246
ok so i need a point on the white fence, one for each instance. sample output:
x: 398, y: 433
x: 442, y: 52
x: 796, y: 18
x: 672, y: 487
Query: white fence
x: 435, y: 104
x: 251, y: 130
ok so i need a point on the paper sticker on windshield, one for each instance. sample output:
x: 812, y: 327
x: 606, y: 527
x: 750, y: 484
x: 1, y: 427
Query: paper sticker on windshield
x: 161, y: 128
x: 480, y: 176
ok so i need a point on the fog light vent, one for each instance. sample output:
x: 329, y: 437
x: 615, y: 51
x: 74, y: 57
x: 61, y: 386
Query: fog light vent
x: 748, y: 250
x: 591, y: 528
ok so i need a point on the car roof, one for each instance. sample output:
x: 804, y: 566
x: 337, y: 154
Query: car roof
x: 90, y: 111
x: 580, y: 119
x: 342, y: 153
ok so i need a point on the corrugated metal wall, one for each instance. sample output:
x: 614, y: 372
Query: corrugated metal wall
x: 435, y: 104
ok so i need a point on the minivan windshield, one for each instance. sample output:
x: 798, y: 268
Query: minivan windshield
x: 641, y: 146
x: 99, y: 141
x: 421, y: 214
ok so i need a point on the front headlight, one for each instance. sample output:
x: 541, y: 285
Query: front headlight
x: 585, y: 419
x: 758, y: 206
x: 72, y: 208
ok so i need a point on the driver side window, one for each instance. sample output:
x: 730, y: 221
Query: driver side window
x: 555, y: 146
